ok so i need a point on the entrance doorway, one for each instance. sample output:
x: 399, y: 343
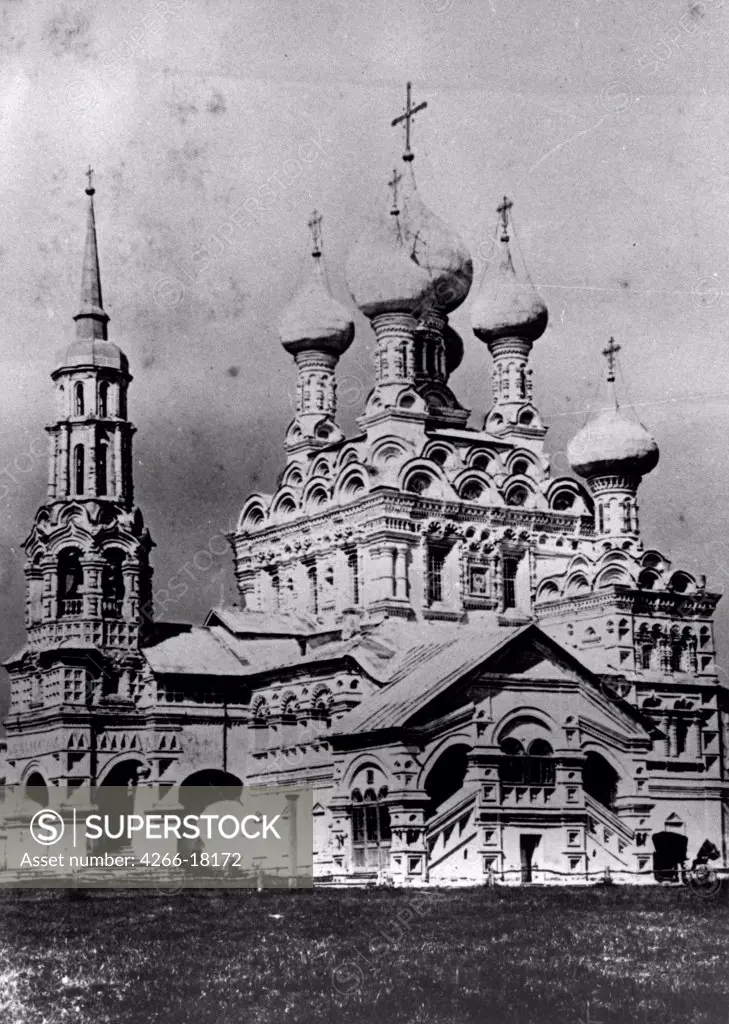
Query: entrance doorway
x: 527, y: 847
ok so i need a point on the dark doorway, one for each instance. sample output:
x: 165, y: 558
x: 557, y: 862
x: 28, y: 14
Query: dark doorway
x: 600, y: 780
x: 669, y: 855
x: 527, y: 847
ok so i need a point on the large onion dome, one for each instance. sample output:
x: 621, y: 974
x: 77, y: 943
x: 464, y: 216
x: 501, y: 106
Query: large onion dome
x: 436, y: 248
x: 381, y: 273
x: 507, y: 304
x: 314, y: 320
x: 612, y: 445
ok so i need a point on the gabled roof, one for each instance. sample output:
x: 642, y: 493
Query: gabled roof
x: 196, y: 652
x: 428, y: 670
x: 249, y: 624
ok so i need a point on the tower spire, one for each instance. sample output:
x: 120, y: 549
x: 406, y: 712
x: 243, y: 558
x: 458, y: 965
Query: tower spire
x: 91, y: 320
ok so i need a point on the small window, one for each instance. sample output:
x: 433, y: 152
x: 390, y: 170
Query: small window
x: 436, y: 564
x: 103, y: 399
x: 313, y: 590
x: 509, y: 582
x: 101, y: 469
x: 517, y: 496
x: 563, y: 501
x: 353, y: 567
x: 79, y: 468
x: 78, y: 399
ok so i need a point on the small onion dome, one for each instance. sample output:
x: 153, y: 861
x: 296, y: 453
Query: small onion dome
x: 94, y: 352
x: 507, y: 305
x: 314, y: 320
x: 382, y: 276
x: 437, y: 249
x: 453, y: 349
x: 611, y: 445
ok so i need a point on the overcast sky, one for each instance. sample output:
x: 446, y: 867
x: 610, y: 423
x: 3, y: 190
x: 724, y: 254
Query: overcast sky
x: 605, y: 122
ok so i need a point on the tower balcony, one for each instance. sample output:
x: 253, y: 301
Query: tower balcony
x: 70, y: 607
x: 111, y: 607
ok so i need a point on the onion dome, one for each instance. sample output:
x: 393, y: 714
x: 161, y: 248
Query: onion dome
x: 612, y: 445
x: 437, y: 249
x: 381, y: 273
x: 453, y: 349
x: 314, y: 320
x: 507, y: 304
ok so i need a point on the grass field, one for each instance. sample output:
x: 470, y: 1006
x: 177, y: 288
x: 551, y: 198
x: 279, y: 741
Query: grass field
x: 518, y: 955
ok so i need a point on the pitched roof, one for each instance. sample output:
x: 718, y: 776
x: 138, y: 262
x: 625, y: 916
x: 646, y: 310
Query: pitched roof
x: 246, y: 623
x: 425, y: 671
x: 197, y: 652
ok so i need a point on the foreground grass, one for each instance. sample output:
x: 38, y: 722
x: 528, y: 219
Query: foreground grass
x: 503, y: 956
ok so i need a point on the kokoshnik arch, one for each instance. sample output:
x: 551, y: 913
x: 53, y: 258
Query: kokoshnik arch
x: 479, y: 668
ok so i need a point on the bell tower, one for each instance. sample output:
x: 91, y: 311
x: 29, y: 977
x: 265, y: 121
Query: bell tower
x: 87, y: 567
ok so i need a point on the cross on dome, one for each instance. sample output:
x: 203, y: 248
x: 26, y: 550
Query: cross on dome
x: 610, y: 354
x: 90, y: 175
x: 406, y: 118
x: 393, y: 184
x: 503, y: 210
x: 315, y: 228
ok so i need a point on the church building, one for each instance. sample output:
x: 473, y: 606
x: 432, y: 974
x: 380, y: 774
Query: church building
x: 479, y: 668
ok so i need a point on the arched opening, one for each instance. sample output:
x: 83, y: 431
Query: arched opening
x: 70, y: 582
x: 563, y: 501
x: 78, y: 469
x: 446, y: 776
x: 103, y: 399
x: 114, y: 798
x: 36, y: 789
x: 517, y: 496
x: 208, y: 786
x: 78, y: 399
x: 530, y: 766
x: 112, y: 583
x: 371, y: 832
x: 600, y: 780
x: 102, y: 458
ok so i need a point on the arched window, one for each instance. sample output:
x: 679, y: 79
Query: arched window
x: 531, y: 767
x: 78, y: 399
x: 103, y: 399
x: 112, y: 583
x: 371, y: 834
x: 676, y: 656
x: 79, y: 468
x: 102, y: 453
x: 517, y: 496
x: 625, y: 514
x: 563, y: 501
x: 70, y: 582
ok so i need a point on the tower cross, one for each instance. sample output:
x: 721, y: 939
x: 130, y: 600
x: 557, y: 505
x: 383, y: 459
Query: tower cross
x: 503, y: 211
x: 410, y: 112
x: 315, y: 228
x: 90, y: 175
x: 610, y: 353
x: 393, y: 184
